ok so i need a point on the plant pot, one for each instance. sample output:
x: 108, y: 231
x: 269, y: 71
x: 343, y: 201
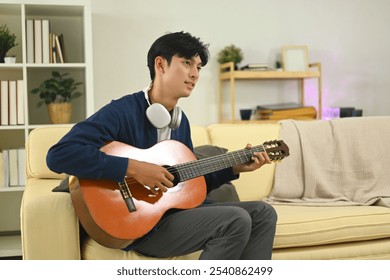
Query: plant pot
x: 9, y: 60
x: 60, y: 113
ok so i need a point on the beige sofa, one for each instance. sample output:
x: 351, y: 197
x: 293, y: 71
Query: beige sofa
x: 50, y: 229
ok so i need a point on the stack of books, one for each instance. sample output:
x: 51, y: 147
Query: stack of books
x: 256, y: 67
x: 43, y: 46
x: 11, y: 102
x: 285, y: 111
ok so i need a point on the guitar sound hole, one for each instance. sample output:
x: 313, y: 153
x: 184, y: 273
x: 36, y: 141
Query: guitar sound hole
x: 175, y: 173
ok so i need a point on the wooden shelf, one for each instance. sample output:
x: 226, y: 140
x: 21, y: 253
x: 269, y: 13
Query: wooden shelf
x: 248, y: 121
x: 249, y: 75
x: 227, y: 73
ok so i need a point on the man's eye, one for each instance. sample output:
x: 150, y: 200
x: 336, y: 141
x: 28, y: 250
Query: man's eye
x: 187, y: 62
x: 199, y: 68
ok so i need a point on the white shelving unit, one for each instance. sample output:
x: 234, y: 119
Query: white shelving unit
x: 72, y: 18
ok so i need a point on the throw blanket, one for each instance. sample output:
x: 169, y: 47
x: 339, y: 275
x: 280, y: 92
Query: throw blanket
x: 334, y: 163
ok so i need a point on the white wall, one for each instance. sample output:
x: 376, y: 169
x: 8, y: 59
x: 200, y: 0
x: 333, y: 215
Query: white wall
x: 349, y: 37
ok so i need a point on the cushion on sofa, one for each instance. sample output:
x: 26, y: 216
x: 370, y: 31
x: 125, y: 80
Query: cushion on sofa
x: 199, y: 135
x: 377, y: 249
x: 300, y: 226
x: 251, y: 185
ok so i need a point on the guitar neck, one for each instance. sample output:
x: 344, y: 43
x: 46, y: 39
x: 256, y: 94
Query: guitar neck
x: 197, y: 168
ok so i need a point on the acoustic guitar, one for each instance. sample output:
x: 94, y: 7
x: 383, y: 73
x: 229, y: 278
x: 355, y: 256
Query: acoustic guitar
x: 116, y: 213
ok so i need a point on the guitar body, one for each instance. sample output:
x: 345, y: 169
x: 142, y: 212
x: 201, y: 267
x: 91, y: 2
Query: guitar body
x: 101, y: 208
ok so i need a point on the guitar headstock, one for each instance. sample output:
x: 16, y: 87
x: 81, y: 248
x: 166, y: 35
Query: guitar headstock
x: 276, y: 149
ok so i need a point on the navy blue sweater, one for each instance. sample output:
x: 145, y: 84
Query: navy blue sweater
x: 123, y: 120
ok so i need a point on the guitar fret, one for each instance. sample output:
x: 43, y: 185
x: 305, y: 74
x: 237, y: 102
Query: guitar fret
x: 201, y: 167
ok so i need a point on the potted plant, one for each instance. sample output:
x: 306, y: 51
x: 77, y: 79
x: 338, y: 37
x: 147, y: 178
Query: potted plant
x: 230, y: 54
x: 7, y: 41
x: 57, y: 93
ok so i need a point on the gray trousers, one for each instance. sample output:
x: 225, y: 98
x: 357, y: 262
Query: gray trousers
x: 223, y: 230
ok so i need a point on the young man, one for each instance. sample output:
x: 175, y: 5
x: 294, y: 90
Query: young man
x: 231, y: 230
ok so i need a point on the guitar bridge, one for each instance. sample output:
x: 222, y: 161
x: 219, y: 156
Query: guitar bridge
x: 126, y: 195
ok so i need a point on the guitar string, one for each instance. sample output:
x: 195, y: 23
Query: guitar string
x: 215, y: 163
x: 204, y: 166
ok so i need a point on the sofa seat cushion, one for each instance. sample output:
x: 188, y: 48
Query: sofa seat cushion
x: 91, y: 250
x: 363, y: 250
x: 300, y: 226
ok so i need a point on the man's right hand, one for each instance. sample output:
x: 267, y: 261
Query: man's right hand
x: 150, y: 175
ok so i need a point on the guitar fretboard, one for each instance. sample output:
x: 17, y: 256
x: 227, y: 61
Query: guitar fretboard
x: 197, y: 168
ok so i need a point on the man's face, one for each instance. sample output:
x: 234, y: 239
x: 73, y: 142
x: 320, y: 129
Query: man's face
x: 181, y: 75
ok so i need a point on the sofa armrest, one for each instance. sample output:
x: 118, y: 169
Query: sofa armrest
x: 50, y: 229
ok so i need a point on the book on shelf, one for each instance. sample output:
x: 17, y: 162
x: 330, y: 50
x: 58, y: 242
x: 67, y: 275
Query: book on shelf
x: 53, y: 51
x: 21, y: 167
x: 12, y: 167
x: 256, y: 67
x: 59, y: 49
x: 280, y: 106
x: 1, y: 170
x: 12, y: 102
x: 45, y: 41
x: 37, y: 41
x: 285, y: 111
x: 4, y: 173
x: 4, y: 102
x: 62, y: 44
x: 20, y: 102
x: 30, y: 40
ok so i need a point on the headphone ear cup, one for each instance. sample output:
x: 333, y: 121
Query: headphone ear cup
x: 158, y: 115
x: 175, y: 118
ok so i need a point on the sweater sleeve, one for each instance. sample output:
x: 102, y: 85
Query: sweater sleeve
x: 78, y: 154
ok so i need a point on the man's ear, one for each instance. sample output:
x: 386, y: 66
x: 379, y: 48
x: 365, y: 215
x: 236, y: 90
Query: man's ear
x: 159, y: 64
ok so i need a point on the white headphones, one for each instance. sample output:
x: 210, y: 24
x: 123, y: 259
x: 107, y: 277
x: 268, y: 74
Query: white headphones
x: 159, y: 116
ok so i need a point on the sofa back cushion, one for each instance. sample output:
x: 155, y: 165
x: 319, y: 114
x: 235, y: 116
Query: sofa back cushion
x: 41, y: 139
x: 199, y: 135
x: 39, y: 142
x: 251, y: 185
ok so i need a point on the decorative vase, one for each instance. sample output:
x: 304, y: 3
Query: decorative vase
x: 60, y: 113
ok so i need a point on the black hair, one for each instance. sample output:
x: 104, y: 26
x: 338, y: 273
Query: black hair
x: 182, y: 44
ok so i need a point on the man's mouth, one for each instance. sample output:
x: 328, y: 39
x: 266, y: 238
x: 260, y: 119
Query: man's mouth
x: 190, y: 84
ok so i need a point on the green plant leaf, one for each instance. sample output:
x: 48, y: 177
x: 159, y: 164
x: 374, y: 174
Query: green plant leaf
x: 7, y: 39
x: 57, y: 89
x: 55, y: 74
